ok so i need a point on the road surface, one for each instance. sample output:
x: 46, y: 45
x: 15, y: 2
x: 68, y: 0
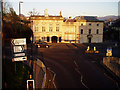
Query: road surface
x: 74, y: 68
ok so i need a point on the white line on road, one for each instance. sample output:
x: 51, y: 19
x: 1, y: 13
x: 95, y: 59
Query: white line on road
x: 77, y: 69
x: 53, y: 77
x: 111, y: 79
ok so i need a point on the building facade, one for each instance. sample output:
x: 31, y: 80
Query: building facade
x: 56, y: 29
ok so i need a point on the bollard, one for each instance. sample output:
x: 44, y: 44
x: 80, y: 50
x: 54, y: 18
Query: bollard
x: 30, y: 76
x: 94, y: 48
x: 88, y: 48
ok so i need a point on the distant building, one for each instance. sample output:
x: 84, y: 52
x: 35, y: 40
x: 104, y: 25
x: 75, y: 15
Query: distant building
x: 81, y: 29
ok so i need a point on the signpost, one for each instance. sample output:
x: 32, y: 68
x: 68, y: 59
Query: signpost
x: 19, y: 49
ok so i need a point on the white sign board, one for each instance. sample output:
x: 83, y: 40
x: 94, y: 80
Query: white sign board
x: 18, y: 48
x: 21, y: 41
x: 19, y: 54
x: 19, y: 59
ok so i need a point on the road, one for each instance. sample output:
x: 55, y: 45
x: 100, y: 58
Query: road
x: 74, y: 68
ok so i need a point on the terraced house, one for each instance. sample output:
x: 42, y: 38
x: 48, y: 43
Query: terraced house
x: 56, y: 29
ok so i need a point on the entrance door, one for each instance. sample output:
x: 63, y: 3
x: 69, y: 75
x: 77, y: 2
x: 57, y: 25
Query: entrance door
x: 59, y: 39
x: 54, y: 39
x: 48, y: 39
x: 89, y: 40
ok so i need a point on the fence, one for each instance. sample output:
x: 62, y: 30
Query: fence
x: 113, y: 63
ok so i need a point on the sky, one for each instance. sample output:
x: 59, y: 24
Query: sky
x: 68, y: 7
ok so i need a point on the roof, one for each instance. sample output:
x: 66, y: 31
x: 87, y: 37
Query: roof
x: 88, y: 18
x: 70, y: 20
x: 44, y: 16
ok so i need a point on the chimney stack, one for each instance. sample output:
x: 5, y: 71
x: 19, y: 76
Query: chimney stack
x: 46, y: 13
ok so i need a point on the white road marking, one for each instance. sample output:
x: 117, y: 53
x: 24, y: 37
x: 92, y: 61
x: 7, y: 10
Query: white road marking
x: 111, y: 79
x: 80, y: 74
x: 53, y: 77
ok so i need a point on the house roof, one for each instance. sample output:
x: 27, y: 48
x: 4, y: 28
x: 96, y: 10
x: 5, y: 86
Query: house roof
x: 88, y: 18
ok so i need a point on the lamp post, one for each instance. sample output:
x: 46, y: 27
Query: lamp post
x: 20, y: 7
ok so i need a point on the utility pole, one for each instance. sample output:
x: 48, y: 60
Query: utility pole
x: 1, y: 56
x: 3, y: 53
x: 20, y: 7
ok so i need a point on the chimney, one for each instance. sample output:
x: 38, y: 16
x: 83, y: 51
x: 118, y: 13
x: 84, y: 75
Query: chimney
x: 60, y: 13
x: 46, y: 13
x: 31, y: 13
x: 70, y: 17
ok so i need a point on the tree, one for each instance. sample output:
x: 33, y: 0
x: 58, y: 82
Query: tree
x: 34, y: 12
x: 14, y: 27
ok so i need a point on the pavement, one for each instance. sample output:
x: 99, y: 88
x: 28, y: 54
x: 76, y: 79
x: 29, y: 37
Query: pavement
x: 73, y: 68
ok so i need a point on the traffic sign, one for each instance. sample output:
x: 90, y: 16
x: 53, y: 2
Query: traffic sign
x: 19, y: 54
x: 18, y: 49
x: 109, y: 52
x: 21, y: 41
x: 19, y: 58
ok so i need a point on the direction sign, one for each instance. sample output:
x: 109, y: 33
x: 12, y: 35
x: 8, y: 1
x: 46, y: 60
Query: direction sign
x: 18, y: 49
x: 19, y: 54
x: 21, y: 41
x: 19, y: 59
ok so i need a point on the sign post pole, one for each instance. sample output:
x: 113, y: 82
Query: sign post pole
x: 15, y: 67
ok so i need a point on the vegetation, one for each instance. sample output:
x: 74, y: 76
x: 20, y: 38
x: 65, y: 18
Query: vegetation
x: 14, y: 26
x: 19, y: 78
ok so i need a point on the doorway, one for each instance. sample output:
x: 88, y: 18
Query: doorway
x: 48, y: 39
x: 54, y: 39
x: 59, y: 39
x: 89, y: 40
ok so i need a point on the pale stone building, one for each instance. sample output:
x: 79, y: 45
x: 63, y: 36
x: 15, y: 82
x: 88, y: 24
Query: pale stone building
x: 81, y: 29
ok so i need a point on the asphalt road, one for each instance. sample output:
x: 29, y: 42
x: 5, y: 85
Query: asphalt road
x: 74, y: 68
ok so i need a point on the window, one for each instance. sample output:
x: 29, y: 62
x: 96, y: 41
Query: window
x: 89, y: 31
x: 43, y: 28
x: 50, y: 28
x: 89, y: 24
x: 97, y: 32
x: 81, y: 31
x: 81, y: 24
x: 57, y: 27
x: 43, y: 38
x: 97, y: 24
x: 36, y: 28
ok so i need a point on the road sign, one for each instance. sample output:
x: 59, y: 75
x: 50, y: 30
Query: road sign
x: 18, y: 49
x: 24, y: 58
x: 109, y: 52
x: 21, y: 41
x: 19, y: 54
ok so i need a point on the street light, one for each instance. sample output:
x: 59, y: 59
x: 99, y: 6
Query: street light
x: 20, y: 7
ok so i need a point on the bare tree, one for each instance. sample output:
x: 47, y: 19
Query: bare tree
x: 6, y: 7
x: 34, y: 12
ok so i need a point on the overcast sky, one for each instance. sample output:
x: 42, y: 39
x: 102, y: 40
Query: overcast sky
x: 68, y: 7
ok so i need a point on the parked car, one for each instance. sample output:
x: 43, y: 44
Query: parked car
x: 42, y: 45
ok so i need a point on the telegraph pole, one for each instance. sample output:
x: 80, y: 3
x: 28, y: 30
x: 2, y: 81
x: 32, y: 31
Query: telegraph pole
x: 1, y: 26
x: 3, y: 53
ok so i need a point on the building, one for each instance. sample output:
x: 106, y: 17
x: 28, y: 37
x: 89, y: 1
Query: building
x: 56, y: 29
